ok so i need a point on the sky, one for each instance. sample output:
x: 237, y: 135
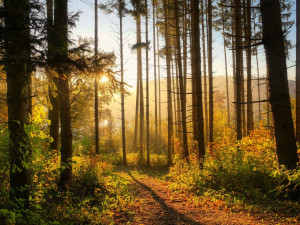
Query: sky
x: 108, y: 41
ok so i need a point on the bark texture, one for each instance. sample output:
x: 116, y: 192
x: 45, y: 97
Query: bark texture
x: 61, y: 52
x: 279, y: 93
x: 17, y: 67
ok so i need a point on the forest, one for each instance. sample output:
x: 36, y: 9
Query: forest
x: 188, y: 114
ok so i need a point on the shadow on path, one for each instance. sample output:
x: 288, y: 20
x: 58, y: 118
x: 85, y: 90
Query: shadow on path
x: 171, y: 215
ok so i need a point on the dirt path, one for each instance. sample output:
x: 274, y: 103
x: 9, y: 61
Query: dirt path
x: 156, y: 204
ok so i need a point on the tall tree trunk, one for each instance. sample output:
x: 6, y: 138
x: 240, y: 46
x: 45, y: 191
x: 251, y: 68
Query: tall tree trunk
x: 210, y: 72
x: 258, y: 81
x: 173, y: 90
x: 226, y: 71
x: 258, y: 85
x: 250, y: 121
x: 122, y: 82
x: 204, y: 73
x: 279, y: 91
x: 139, y: 55
x: 233, y: 53
x: 243, y: 33
x: 193, y: 72
x: 61, y: 50
x: 17, y: 67
x: 169, y: 85
x: 184, y: 40
x: 244, y: 124
x: 238, y: 68
x: 155, y: 78
x: 298, y: 70
x: 197, y: 53
x: 159, y: 90
x: 53, y: 97
x: 147, y: 88
x: 136, y: 122
x: 96, y: 82
x: 177, y: 90
x: 30, y: 96
x: 268, y: 111
x: 54, y: 118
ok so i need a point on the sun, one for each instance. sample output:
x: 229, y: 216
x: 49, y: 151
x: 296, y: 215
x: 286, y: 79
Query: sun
x: 104, y: 79
x: 105, y: 122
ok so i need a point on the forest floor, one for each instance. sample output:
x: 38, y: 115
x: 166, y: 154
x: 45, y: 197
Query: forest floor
x: 156, y: 202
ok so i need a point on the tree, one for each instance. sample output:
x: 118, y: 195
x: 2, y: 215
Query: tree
x: 53, y: 95
x: 169, y: 86
x: 96, y: 82
x: 121, y: 14
x: 204, y: 72
x: 197, y: 54
x: 238, y: 68
x: 155, y: 77
x: 181, y: 85
x: 278, y: 84
x: 159, y: 89
x: 17, y: 64
x: 138, y: 10
x: 61, y: 54
x: 298, y: 70
x: 147, y: 87
x: 250, y: 121
x: 210, y: 71
x: 120, y: 7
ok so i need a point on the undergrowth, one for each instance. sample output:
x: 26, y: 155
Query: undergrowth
x: 98, y: 196
x: 246, y: 173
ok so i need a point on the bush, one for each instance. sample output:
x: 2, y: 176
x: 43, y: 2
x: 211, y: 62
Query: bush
x: 248, y: 170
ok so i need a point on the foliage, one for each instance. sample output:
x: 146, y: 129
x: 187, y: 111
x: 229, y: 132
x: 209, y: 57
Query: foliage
x: 247, y: 171
x: 98, y: 196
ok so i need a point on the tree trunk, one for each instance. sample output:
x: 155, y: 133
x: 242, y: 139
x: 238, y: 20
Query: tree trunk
x: 204, y: 73
x: 197, y: 53
x: 54, y: 109
x: 140, y: 73
x: 61, y: 50
x: 243, y: 33
x: 233, y: 53
x: 258, y: 81
x: 155, y: 78
x: 179, y: 119
x: 159, y: 91
x: 210, y: 72
x: 96, y: 82
x: 184, y: 40
x: 268, y: 111
x: 169, y: 85
x: 226, y: 71
x: 193, y: 80
x: 147, y: 88
x: 279, y: 91
x: 250, y: 121
x: 173, y: 90
x: 298, y: 71
x: 136, y: 122
x: 17, y: 67
x: 238, y: 68
x: 122, y: 82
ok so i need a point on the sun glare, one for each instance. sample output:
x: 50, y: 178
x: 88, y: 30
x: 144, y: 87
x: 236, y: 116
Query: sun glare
x: 105, y: 122
x: 104, y: 79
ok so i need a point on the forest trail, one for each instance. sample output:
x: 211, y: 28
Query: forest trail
x: 157, y: 204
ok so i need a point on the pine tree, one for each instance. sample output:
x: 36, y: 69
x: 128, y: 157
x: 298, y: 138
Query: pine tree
x: 279, y: 93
